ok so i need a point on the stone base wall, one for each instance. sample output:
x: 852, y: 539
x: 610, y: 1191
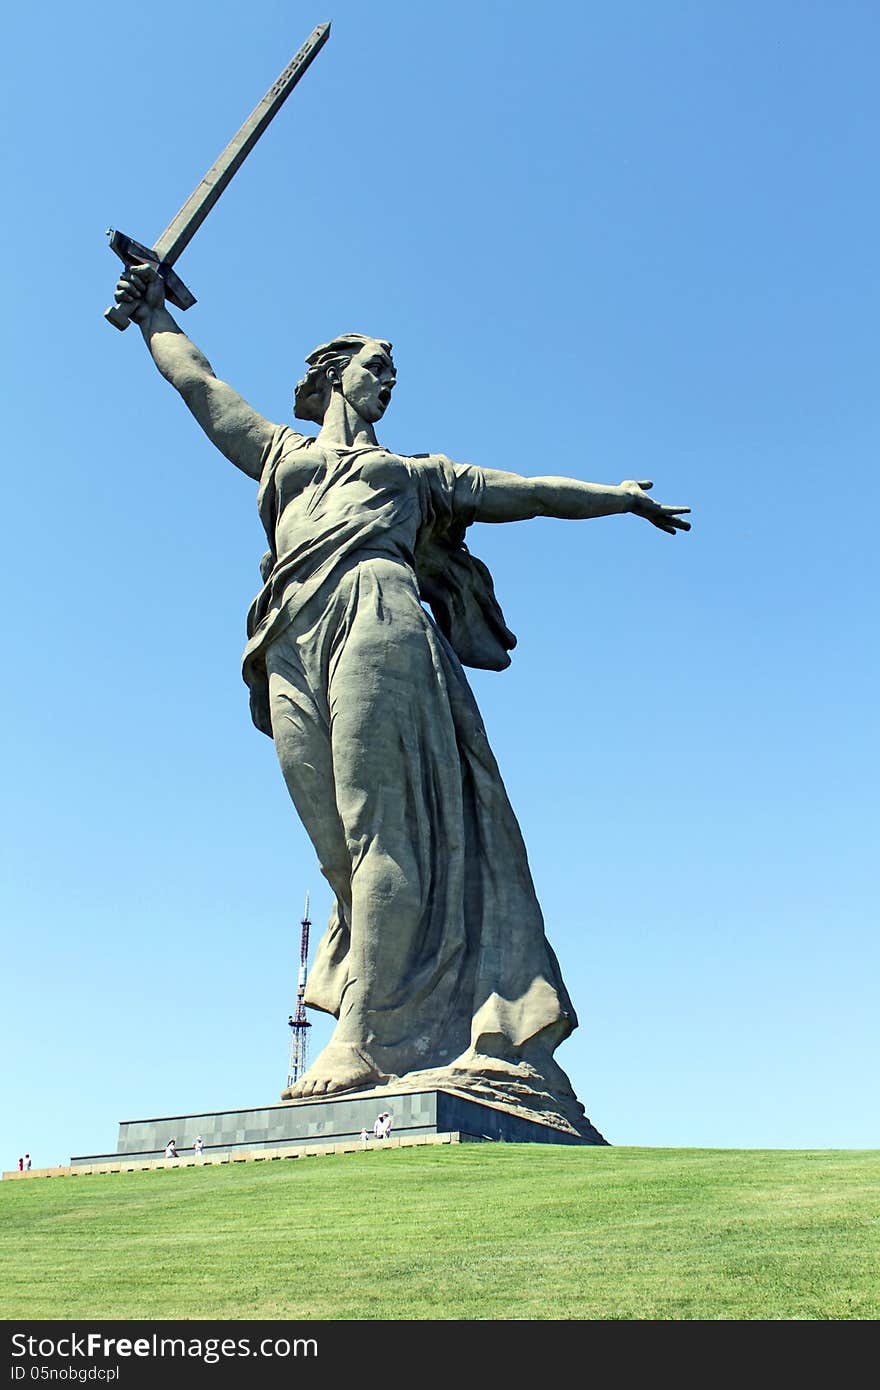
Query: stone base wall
x: 327, y: 1121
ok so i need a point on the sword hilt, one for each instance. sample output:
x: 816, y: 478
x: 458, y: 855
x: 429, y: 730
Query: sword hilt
x: 132, y: 252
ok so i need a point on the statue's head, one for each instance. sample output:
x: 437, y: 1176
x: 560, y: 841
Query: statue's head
x: 361, y: 368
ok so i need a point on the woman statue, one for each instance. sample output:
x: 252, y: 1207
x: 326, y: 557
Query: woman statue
x: 435, y: 962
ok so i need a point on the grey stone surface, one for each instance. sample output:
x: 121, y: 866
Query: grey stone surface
x: 435, y: 961
x: 333, y: 1119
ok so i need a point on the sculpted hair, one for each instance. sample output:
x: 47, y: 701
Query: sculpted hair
x: 313, y: 390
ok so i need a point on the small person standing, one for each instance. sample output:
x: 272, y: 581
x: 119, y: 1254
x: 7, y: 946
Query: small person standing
x: 27, y: 1162
x: 378, y: 1125
x: 21, y: 1165
x: 198, y: 1146
x: 364, y: 1136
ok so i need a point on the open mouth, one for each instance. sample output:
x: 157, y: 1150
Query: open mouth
x: 384, y: 396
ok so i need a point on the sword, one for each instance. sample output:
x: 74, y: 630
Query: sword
x: 180, y: 231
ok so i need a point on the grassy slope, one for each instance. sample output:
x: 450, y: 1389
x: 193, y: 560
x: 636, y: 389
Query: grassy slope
x: 500, y: 1231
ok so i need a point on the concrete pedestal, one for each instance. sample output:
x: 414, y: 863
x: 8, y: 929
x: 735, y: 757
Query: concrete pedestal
x: 326, y: 1121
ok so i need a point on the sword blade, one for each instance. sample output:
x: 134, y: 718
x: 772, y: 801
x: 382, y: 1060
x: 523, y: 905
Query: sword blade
x: 178, y: 234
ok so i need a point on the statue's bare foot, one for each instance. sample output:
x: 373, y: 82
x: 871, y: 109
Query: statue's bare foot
x: 340, y: 1067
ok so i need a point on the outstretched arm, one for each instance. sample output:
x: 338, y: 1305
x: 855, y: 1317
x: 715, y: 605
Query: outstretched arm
x: 510, y: 497
x: 233, y: 426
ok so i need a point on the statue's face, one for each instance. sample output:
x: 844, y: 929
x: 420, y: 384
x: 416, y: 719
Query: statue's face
x: 368, y: 381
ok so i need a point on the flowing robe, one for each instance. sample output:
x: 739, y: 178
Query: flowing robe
x: 435, y: 961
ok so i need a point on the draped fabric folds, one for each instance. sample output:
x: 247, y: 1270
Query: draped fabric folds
x: 435, y: 961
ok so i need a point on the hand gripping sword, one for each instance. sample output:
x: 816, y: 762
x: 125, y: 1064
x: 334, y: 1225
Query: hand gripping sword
x: 179, y: 232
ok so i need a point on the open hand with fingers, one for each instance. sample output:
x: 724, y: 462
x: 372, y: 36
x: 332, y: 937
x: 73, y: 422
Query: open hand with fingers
x: 668, y: 519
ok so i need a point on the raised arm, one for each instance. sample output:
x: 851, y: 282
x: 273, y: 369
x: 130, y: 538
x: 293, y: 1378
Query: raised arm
x: 233, y: 426
x: 511, y: 497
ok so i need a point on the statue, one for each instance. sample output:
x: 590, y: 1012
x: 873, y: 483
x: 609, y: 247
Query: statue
x: 435, y: 962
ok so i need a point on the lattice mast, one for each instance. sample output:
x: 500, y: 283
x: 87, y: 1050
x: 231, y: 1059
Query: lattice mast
x: 299, y: 1025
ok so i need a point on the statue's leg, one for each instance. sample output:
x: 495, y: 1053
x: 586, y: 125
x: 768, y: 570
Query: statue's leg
x: 301, y: 731
x: 367, y: 743
x: 302, y: 740
x: 398, y: 786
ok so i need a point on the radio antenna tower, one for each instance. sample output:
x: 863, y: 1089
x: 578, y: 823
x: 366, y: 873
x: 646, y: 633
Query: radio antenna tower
x: 297, y: 1022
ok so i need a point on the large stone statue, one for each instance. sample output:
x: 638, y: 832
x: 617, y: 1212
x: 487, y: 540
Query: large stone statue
x: 435, y: 962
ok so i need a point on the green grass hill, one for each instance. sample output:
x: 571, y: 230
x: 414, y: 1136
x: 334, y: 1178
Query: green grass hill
x: 502, y: 1231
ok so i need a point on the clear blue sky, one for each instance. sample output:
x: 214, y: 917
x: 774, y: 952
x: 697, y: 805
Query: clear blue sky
x: 611, y: 241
